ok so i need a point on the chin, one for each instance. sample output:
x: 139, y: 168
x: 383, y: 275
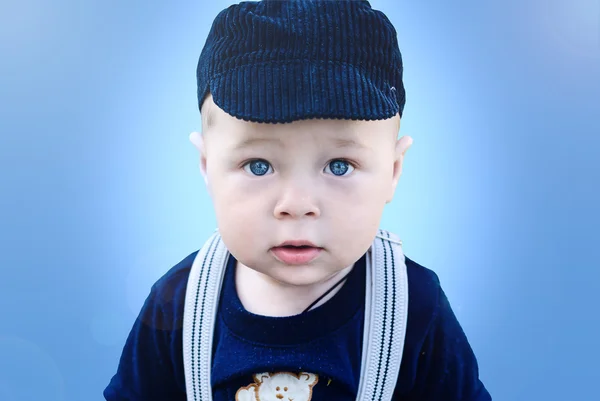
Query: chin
x: 300, y: 275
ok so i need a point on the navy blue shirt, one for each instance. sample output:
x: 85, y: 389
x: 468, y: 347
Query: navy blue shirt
x: 438, y: 363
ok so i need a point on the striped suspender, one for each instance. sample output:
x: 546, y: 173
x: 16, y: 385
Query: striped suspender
x: 199, y: 316
x: 386, y: 313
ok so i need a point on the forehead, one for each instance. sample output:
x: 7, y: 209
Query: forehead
x: 341, y: 133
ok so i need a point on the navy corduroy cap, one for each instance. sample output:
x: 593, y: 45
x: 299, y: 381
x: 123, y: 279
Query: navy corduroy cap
x: 278, y: 61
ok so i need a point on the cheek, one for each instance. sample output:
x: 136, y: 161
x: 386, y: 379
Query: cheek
x: 359, y: 220
x: 240, y: 217
x: 366, y: 194
x: 355, y: 219
x: 241, y: 201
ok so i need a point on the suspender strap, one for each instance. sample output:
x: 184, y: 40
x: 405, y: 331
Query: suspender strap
x: 386, y: 314
x: 199, y: 316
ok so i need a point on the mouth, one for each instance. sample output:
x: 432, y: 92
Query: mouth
x: 297, y: 244
x: 296, y: 252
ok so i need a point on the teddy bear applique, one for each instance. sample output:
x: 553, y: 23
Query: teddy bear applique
x: 282, y: 386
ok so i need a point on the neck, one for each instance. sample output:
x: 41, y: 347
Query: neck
x: 262, y: 295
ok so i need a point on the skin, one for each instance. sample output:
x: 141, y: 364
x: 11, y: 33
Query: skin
x: 302, y: 196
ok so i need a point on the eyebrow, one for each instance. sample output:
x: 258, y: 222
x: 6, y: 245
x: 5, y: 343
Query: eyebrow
x: 338, y: 143
x: 349, y: 143
x: 248, y: 142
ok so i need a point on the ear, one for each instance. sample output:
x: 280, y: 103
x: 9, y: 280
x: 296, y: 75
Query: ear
x: 309, y: 378
x: 197, y: 140
x: 259, y: 378
x: 402, y: 146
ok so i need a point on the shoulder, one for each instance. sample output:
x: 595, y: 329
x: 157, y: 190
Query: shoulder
x: 168, y: 292
x: 176, y: 277
x: 151, y: 363
x: 423, y: 289
x: 438, y: 362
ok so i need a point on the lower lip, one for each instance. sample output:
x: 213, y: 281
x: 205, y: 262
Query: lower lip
x: 296, y: 256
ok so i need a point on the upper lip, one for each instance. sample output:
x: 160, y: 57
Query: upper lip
x: 297, y: 243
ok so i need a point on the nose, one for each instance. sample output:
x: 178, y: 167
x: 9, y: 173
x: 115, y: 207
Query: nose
x: 297, y: 201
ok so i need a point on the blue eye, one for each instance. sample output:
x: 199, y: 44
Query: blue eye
x: 257, y: 167
x: 339, y: 167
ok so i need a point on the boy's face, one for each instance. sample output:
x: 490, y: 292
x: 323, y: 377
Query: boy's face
x: 322, y: 181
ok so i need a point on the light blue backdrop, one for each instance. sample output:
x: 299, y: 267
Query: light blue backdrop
x: 101, y: 193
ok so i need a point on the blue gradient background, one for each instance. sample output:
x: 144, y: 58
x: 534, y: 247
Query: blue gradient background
x: 101, y: 192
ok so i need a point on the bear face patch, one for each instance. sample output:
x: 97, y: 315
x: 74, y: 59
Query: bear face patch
x: 281, y: 386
